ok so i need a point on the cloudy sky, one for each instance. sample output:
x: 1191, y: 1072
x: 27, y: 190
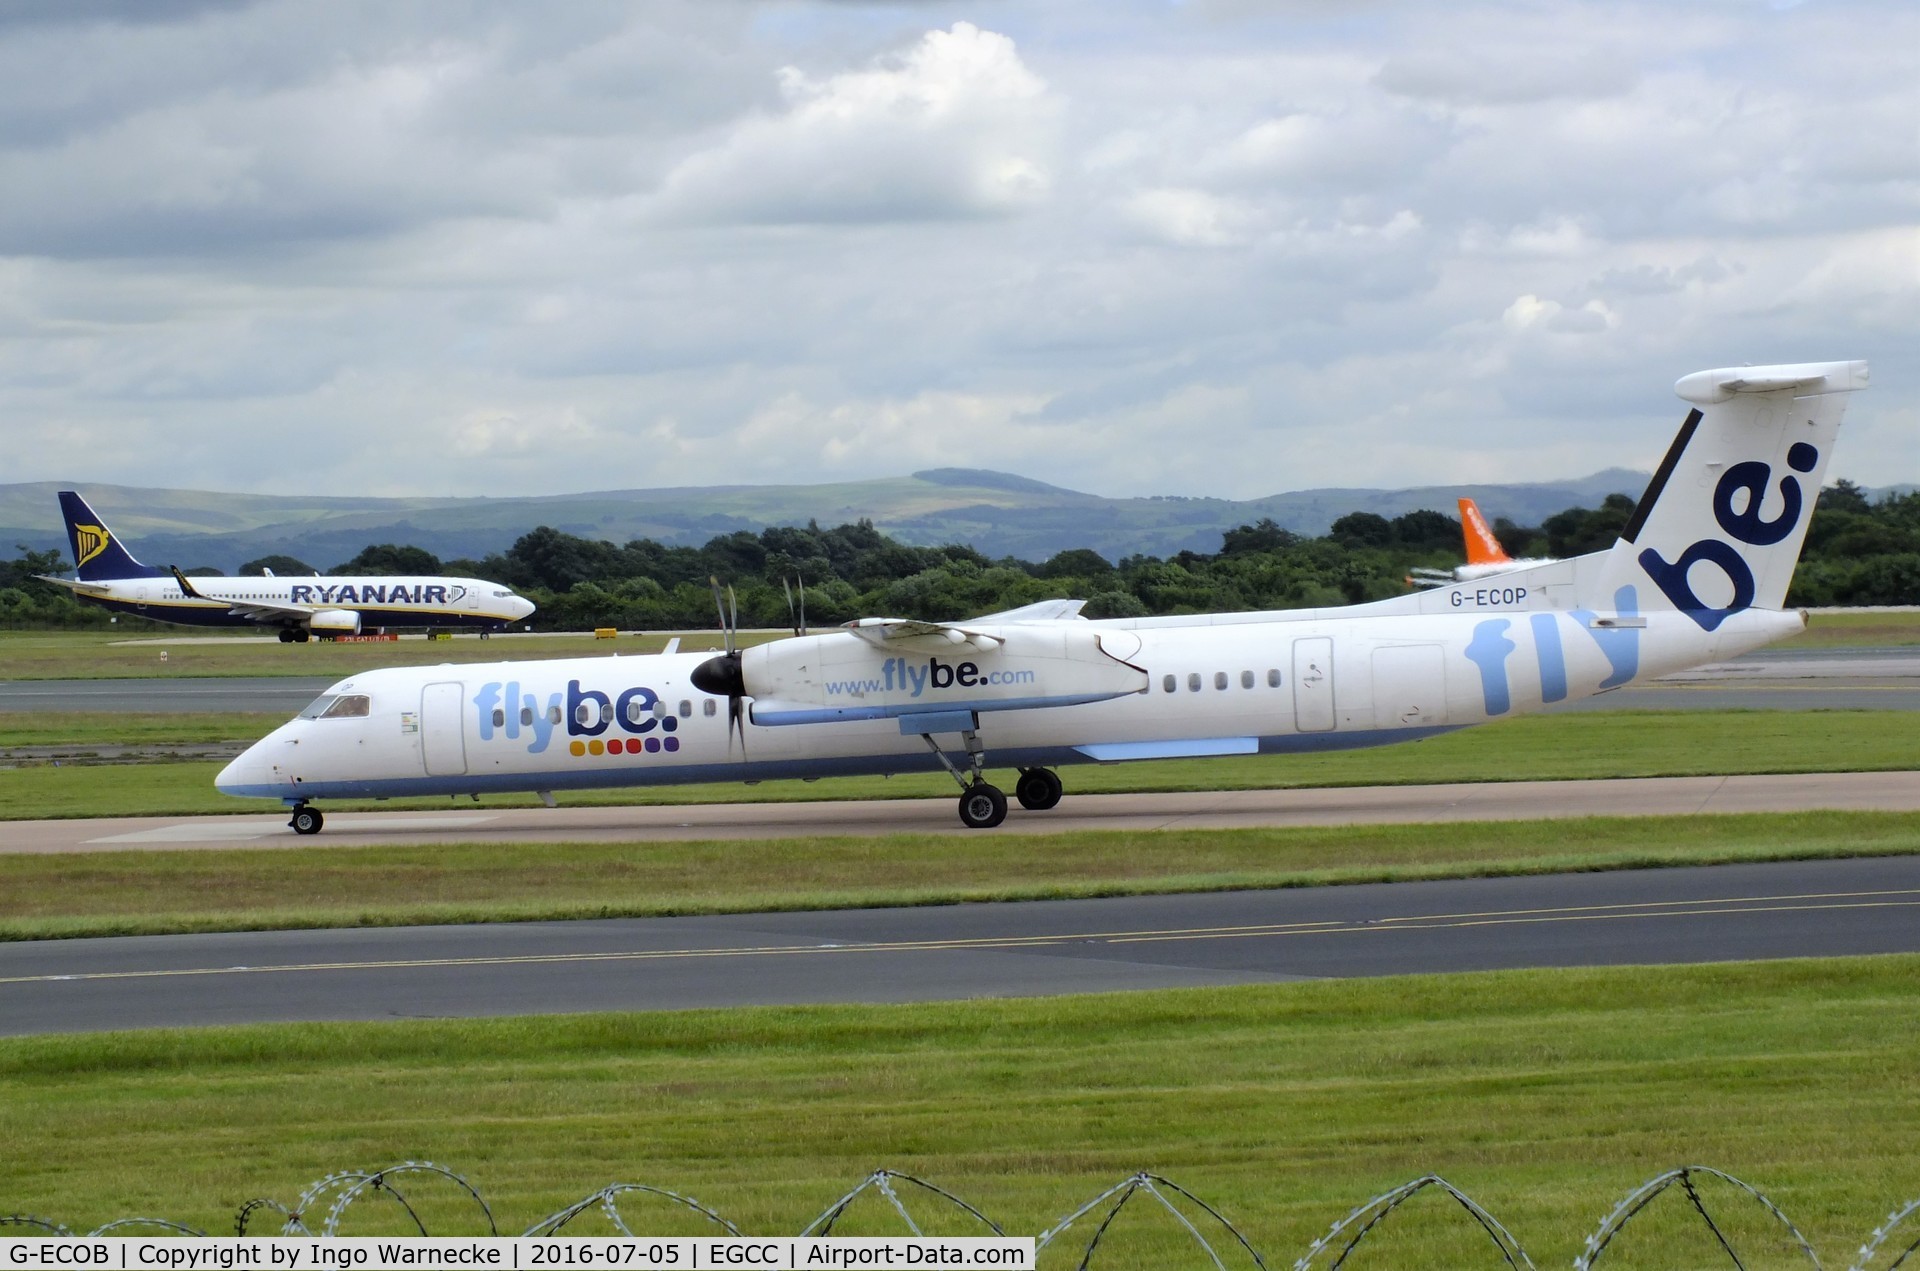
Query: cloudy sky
x: 1225, y: 247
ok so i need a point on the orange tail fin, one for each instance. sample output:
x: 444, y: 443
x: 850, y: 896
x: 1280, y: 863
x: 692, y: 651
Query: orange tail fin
x: 1482, y: 547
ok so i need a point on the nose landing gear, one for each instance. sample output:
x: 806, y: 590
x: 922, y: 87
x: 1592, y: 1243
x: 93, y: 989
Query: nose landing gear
x: 306, y: 819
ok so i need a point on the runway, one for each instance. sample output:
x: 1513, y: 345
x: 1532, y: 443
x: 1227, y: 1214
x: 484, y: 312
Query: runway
x: 1132, y: 813
x: 1817, y: 909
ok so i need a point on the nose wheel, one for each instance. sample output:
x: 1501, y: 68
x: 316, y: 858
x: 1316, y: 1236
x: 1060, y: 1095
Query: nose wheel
x: 306, y: 820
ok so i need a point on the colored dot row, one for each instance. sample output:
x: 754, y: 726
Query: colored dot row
x: 632, y: 746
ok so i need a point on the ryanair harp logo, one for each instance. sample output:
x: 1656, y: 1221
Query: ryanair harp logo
x: 89, y: 541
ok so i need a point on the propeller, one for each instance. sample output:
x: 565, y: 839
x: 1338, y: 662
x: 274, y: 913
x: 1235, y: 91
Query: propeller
x: 722, y: 674
x: 799, y: 620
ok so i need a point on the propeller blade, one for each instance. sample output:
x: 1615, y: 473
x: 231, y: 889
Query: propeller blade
x: 727, y: 624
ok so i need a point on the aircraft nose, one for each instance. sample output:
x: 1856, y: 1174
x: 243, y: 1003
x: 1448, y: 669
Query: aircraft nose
x: 249, y: 774
x: 522, y: 607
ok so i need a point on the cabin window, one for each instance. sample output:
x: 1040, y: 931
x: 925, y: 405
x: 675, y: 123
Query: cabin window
x: 1273, y: 677
x: 660, y: 709
x: 349, y: 706
x: 1220, y: 679
x: 1170, y: 683
x: 526, y: 715
x: 686, y: 708
x: 633, y: 711
x: 707, y: 708
x: 1246, y: 679
x: 553, y: 715
x: 587, y: 714
x: 1193, y: 682
x: 499, y: 717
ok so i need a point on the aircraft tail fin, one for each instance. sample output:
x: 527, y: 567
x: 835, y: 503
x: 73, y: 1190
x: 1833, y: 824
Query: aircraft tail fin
x: 1721, y: 524
x: 97, y: 554
x: 1482, y: 547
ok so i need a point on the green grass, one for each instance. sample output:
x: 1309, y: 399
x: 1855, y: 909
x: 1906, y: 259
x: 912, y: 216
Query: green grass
x: 128, y: 893
x: 192, y: 654
x: 1546, y: 1095
x: 1533, y: 748
x: 83, y: 732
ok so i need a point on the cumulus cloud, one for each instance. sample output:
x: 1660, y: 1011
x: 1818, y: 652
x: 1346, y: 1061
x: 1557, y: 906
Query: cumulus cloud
x: 1229, y: 247
x: 956, y: 126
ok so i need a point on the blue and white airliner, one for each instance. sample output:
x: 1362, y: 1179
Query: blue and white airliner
x: 107, y: 574
x: 1699, y: 574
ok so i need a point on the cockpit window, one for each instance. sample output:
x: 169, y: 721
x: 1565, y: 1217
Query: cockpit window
x: 349, y: 706
x: 318, y: 706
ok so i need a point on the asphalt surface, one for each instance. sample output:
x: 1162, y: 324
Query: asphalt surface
x: 1815, y: 909
x: 1134, y: 813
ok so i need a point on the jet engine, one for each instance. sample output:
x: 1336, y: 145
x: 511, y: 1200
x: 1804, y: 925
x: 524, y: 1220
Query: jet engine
x: 335, y: 622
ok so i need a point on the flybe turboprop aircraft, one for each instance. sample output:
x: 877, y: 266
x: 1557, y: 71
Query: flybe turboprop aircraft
x: 107, y: 574
x: 1700, y: 573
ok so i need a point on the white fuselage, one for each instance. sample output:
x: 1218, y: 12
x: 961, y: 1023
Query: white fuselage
x: 346, y: 602
x: 1214, y: 685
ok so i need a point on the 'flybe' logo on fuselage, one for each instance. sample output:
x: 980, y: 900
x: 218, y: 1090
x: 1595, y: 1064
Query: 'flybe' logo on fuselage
x: 1745, y: 525
x: 635, y: 717
x: 366, y: 593
x: 89, y: 541
x: 898, y: 675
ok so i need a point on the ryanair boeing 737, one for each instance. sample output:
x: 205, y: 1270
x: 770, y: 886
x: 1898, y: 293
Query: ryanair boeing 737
x: 107, y: 574
x: 1699, y: 574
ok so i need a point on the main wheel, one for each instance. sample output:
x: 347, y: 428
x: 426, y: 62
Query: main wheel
x: 1038, y: 789
x: 307, y: 820
x: 302, y: 636
x: 982, y: 807
x: 286, y: 635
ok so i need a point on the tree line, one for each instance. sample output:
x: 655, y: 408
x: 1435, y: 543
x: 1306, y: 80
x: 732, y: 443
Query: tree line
x: 1858, y: 552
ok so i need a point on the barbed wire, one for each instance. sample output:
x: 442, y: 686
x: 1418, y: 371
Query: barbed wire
x: 1214, y: 1237
x: 1890, y: 1230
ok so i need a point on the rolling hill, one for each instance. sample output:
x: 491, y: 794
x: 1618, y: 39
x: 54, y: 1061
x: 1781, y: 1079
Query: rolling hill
x: 997, y: 513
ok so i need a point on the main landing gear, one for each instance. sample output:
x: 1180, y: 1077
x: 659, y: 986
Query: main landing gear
x: 982, y: 804
x: 295, y: 635
x: 306, y: 819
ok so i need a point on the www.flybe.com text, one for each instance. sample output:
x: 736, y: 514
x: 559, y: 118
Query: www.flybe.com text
x: 898, y: 675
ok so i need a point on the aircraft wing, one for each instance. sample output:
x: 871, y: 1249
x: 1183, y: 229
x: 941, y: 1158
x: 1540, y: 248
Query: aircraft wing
x: 253, y: 610
x: 884, y: 633
x: 1040, y: 611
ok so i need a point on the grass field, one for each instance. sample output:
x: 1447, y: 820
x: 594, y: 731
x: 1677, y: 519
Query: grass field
x: 1545, y: 1095
x: 127, y: 893
x: 60, y: 655
x: 1532, y: 748
x: 192, y: 654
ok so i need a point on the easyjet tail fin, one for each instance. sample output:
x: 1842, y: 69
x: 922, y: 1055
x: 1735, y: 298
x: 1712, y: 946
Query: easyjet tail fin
x: 1720, y: 527
x: 97, y: 554
x: 1482, y: 547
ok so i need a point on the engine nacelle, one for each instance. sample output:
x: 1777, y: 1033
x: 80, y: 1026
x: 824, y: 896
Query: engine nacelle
x: 840, y: 676
x: 335, y: 622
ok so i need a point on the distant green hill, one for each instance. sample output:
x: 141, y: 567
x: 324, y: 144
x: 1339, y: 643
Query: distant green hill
x: 996, y: 513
